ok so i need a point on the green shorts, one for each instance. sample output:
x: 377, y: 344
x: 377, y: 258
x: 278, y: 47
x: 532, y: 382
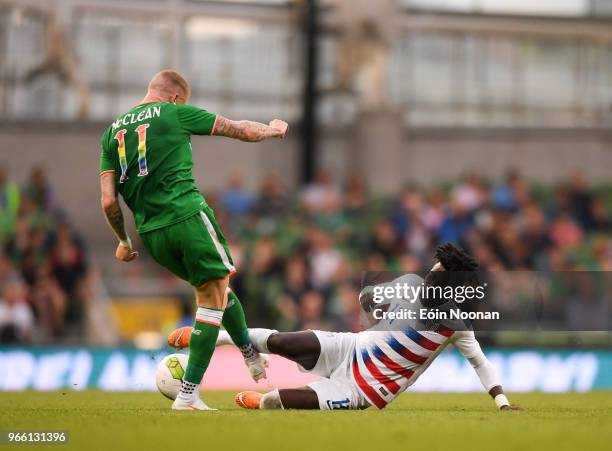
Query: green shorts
x: 194, y: 249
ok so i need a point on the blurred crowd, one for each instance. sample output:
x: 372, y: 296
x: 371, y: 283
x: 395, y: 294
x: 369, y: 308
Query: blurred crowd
x: 301, y: 255
x: 43, y: 264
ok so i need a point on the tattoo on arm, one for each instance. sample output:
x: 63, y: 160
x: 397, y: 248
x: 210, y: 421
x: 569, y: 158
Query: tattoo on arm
x: 114, y: 217
x: 248, y: 131
x: 110, y: 205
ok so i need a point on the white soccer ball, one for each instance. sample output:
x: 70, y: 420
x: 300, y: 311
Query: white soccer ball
x: 169, y: 374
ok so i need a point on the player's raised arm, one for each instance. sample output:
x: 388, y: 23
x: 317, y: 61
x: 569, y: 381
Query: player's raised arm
x: 249, y: 131
x: 114, y: 216
x: 470, y: 348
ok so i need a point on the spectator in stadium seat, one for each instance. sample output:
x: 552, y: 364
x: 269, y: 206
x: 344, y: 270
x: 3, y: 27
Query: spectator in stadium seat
x: 16, y: 318
x: 483, y: 253
x: 566, y: 232
x: 235, y: 199
x: 407, y: 210
x: 296, y: 278
x: 49, y: 302
x: 556, y: 260
x: 312, y: 308
x: 504, y: 195
x: 600, y: 218
x: 355, y: 196
x: 347, y: 308
x: 410, y: 263
x: 580, y: 200
x: 272, y: 198
x: 321, y: 192
x: 384, y: 241
x: 295, y: 285
x: 39, y: 191
x: 534, y: 231
x: 418, y: 240
x: 9, y: 206
x: 262, y: 282
x: 7, y: 270
x: 331, y: 218
x: 602, y: 251
x: 456, y: 224
x: 471, y: 193
x: 324, y: 259
x: 68, y: 266
x: 433, y: 211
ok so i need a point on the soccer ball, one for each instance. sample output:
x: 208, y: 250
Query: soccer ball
x: 169, y: 374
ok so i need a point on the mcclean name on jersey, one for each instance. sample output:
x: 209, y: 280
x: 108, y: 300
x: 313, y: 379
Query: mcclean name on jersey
x: 132, y: 118
x: 433, y: 314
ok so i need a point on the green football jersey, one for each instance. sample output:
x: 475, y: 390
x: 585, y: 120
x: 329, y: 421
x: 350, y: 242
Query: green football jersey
x: 149, y: 150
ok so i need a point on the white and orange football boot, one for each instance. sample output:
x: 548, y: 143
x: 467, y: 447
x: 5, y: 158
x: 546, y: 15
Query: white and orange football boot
x: 248, y: 399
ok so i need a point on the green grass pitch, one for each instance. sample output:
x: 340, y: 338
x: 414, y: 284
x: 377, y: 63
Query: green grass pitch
x: 449, y: 422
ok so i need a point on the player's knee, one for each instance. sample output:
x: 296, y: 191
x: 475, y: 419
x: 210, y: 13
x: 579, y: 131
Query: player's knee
x: 277, y: 343
x: 212, y: 294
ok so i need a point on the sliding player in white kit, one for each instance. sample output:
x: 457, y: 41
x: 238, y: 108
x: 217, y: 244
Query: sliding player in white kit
x: 371, y: 368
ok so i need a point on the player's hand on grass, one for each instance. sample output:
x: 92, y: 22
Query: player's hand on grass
x: 281, y: 126
x: 510, y: 408
x: 125, y: 253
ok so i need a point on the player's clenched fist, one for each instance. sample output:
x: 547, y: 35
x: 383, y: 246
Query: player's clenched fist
x: 125, y: 253
x: 281, y: 126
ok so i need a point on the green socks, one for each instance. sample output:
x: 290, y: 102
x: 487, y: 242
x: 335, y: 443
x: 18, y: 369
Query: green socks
x: 204, y: 336
x: 202, y: 342
x: 234, y: 321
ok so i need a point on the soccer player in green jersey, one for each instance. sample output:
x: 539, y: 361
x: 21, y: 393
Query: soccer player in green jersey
x: 146, y: 157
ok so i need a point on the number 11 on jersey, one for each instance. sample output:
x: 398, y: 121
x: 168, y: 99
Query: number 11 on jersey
x: 120, y: 137
x: 142, y: 151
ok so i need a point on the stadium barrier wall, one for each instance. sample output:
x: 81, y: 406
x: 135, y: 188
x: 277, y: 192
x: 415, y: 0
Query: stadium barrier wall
x: 130, y: 369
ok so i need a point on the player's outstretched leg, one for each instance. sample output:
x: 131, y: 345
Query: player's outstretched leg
x: 211, y: 302
x: 294, y: 398
x: 302, y: 347
x: 234, y: 322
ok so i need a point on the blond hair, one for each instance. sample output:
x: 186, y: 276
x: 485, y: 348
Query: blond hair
x: 169, y: 82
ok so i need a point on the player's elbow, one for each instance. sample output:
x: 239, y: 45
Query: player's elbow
x: 108, y: 203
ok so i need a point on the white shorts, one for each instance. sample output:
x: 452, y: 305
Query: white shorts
x: 336, y: 389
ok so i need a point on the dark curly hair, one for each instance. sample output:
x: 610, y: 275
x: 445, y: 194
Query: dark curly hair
x: 460, y: 269
x: 454, y: 258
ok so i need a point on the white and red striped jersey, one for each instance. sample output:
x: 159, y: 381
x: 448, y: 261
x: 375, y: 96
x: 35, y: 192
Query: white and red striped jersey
x: 389, y: 358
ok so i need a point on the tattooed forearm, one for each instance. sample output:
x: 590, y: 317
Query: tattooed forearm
x: 114, y: 218
x: 245, y: 130
x: 110, y: 205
